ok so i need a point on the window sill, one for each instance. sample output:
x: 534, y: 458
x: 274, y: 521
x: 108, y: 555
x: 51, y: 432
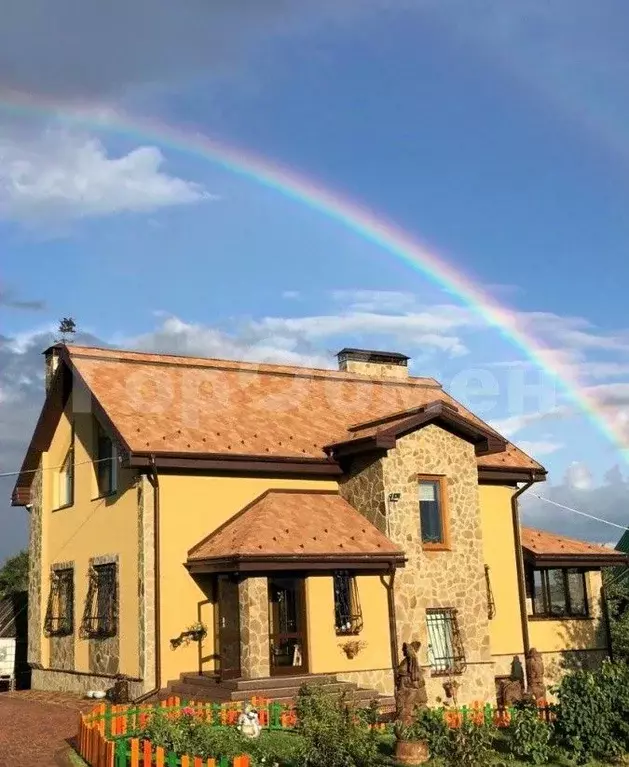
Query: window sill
x: 105, y: 496
x: 65, y: 506
x: 436, y: 547
x: 445, y: 674
x: 560, y: 617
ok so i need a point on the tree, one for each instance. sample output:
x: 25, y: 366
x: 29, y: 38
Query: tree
x: 14, y: 575
x: 617, y: 588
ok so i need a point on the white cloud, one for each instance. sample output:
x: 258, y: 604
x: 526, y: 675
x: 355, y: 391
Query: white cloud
x: 513, y: 424
x: 63, y: 175
x: 537, y: 448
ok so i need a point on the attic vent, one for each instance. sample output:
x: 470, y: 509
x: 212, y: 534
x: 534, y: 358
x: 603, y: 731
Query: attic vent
x: 373, y: 363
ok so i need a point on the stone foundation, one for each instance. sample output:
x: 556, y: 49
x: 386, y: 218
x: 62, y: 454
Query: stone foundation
x: 62, y: 652
x: 79, y: 684
x: 380, y: 680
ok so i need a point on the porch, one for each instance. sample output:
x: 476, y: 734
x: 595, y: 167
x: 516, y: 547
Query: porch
x: 298, y: 584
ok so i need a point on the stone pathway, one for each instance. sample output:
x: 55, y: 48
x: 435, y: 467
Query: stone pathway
x: 35, y: 727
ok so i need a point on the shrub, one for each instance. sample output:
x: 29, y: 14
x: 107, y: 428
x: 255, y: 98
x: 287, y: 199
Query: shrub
x: 334, y: 732
x: 529, y: 737
x: 470, y: 745
x: 588, y: 723
x: 286, y: 749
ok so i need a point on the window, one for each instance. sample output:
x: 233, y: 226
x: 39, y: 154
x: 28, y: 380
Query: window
x: 100, y: 617
x: 60, y: 611
x: 558, y: 593
x: 348, y: 618
x: 106, y: 463
x: 66, y: 480
x: 445, y: 648
x: 432, y: 517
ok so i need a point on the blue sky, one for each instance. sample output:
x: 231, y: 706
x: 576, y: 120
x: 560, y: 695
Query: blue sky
x: 494, y: 132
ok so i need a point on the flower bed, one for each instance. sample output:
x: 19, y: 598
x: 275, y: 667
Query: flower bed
x: 111, y: 736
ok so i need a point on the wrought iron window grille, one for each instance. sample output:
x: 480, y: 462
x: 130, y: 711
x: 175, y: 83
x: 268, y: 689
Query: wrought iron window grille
x: 445, y: 645
x: 59, y: 620
x: 100, y: 617
x: 348, y: 616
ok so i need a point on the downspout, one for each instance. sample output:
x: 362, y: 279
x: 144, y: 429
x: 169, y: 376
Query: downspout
x: 519, y: 563
x: 606, y: 619
x: 154, y: 480
x: 392, y: 619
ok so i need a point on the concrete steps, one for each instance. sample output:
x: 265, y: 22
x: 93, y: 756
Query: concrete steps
x: 283, y: 689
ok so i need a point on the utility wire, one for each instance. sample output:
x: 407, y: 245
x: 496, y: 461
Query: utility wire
x: 580, y: 513
x: 52, y: 468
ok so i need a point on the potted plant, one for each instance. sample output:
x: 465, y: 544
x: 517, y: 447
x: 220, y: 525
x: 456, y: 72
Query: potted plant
x: 411, y: 742
x: 352, y: 647
x: 194, y: 633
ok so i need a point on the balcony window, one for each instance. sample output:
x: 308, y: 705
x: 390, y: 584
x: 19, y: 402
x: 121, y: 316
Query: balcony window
x: 558, y: 593
x: 66, y: 480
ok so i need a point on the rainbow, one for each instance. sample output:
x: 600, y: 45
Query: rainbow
x: 354, y: 216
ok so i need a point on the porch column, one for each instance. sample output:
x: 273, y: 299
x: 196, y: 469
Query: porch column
x: 253, y: 597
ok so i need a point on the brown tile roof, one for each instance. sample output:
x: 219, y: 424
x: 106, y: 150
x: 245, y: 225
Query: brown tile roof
x: 539, y: 544
x: 286, y: 524
x: 163, y: 403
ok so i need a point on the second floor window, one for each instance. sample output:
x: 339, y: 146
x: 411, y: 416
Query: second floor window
x: 60, y: 610
x: 106, y: 463
x: 100, y: 618
x: 66, y: 480
x: 348, y: 617
x: 432, y: 517
x: 558, y: 592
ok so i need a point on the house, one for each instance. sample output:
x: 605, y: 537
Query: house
x: 14, y: 671
x: 250, y: 522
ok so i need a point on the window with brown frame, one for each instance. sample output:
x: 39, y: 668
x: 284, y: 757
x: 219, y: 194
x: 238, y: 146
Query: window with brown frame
x: 433, y: 520
x: 59, y: 619
x: 558, y: 592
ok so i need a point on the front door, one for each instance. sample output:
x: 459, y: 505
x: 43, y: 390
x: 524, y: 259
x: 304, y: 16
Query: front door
x: 287, y: 625
x: 228, y: 627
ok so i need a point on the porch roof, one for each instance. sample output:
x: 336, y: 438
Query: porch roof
x: 295, y: 530
x: 544, y: 549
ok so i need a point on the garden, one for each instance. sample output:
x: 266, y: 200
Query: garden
x: 588, y: 725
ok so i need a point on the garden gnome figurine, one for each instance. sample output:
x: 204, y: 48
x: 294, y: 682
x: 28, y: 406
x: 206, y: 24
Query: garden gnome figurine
x: 410, y: 687
x: 535, y: 674
x: 248, y: 722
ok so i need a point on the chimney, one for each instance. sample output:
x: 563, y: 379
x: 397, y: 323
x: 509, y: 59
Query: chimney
x: 366, y: 362
x: 51, y: 357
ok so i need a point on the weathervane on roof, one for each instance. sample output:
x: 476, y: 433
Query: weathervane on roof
x: 66, y: 330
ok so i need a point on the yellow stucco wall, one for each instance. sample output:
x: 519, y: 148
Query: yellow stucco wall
x: 90, y: 528
x: 499, y: 552
x: 191, y: 508
x: 324, y: 646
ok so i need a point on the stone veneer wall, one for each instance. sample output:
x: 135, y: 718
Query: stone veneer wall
x: 35, y: 627
x: 363, y: 488
x: 374, y: 369
x: 60, y: 681
x: 253, y: 597
x: 146, y: 581
x: 380, y: 679
x: 447, y: 579
x: 557, y: 664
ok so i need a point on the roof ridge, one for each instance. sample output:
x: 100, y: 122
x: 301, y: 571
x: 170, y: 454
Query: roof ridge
x: 245, y: 366
x: 565, y: 537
